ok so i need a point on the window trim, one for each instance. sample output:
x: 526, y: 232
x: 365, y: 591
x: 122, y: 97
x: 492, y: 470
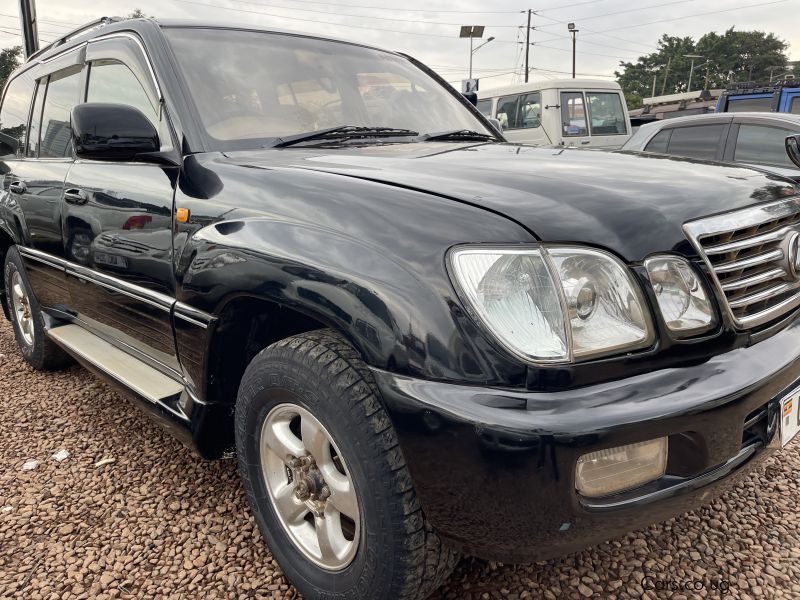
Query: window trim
x: 625, y: 118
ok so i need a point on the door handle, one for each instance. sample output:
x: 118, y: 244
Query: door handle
x: 75, y: 196
x: 18, y: 187
x: 584, y: 142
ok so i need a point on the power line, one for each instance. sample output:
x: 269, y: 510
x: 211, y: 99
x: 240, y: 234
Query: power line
x: 396, y: 9
x: 618, y: 12
x: 703, y: 14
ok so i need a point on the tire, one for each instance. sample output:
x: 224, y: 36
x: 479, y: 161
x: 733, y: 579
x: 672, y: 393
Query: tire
x: 36, y: 348
x: 393, y: 552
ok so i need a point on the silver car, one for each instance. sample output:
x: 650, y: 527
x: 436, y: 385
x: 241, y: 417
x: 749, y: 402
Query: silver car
x: 750, y: 138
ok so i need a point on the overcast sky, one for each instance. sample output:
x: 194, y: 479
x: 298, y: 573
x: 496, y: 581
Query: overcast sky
x: 610, y: 30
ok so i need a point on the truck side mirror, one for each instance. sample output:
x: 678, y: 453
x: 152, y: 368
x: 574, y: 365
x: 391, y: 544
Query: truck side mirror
x: 793, y: 148
x: 113, y: 132
x: 496, y: 124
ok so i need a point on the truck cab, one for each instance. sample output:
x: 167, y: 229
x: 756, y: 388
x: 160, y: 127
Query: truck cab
x: 560, y: 112
x: 780, y: 96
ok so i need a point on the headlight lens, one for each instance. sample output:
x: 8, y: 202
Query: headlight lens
x: 514, y: 295
x: 604, y: 306
x: 682, y: 298
x: 553, y: 304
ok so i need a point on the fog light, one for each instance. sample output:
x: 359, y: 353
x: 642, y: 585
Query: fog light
x: 617, y: 469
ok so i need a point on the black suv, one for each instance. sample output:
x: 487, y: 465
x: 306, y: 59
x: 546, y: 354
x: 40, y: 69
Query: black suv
x: 418, y: 340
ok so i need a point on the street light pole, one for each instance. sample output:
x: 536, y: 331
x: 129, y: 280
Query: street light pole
x: 573, y: 31
x: 691, y: 70
x: 471, y: 52
x: 472, y: 32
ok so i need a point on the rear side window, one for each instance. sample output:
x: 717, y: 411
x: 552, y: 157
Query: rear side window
x: 507, y: 111
x: 750, y: 105
x: 759, y: 144
x: 794, y: 107
x: 660, y: 141
x: 62, y: 95
x: 14, y: 112
x: 700, y: 141
x: 485, y: 107
x: 606, y: 114
x: 573, y: 114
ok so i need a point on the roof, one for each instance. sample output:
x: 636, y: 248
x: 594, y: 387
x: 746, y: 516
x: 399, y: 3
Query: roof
x: 770, y: 116
x: 547, y: 84
x: 111, y: 24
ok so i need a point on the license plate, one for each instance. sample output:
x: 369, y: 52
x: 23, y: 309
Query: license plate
x: 790, y: 418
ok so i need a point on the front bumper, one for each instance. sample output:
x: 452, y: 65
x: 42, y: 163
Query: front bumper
x: 494, y: 468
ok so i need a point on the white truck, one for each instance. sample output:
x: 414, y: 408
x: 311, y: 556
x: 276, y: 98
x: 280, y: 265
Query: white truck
x: 561, y: 112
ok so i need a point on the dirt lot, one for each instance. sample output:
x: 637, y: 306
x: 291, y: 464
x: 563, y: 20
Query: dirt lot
x: 159, y: 522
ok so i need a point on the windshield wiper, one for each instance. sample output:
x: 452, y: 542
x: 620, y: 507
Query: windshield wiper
x: 342, y: 132
x: 457, y: 135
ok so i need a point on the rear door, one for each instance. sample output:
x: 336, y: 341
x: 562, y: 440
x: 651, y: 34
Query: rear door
x: 35, y: 181
x: 761, y: 142
x: 118, y: 219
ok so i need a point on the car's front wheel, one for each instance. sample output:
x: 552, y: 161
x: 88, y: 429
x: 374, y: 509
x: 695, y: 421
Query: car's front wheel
x: 326, y: 478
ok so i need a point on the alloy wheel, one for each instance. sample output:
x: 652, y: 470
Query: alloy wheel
x: 21, y: 307
x: 310, y: 486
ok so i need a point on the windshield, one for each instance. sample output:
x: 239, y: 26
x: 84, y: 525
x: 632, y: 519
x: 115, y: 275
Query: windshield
x: 250, y: 87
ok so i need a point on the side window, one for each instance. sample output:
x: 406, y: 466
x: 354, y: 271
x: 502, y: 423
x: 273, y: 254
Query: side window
x: 606, y: 114
x: 759, y: 144
x: 14, y: 114
x: 507, y: 111
x: 750, y: 105
x: 485, y: 107
x: 36, y: 119
x: 573, y: 114
x: 62, y: 95
x: 530, y: 110
x: 794, y: 107
x: 113, y: 82
x: 700, y: 141
x: 659, y: 142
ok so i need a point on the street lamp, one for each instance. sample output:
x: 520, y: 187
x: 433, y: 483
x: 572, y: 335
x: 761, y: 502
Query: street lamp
x: 474, y: 51
x: 573, y: 31
x: 691, y: 70
x: 472, y: 32
x: 771, y: 69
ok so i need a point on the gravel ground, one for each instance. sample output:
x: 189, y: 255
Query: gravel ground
x: 159, y: 522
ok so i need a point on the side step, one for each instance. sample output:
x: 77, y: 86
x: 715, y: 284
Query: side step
x: 144, y: 380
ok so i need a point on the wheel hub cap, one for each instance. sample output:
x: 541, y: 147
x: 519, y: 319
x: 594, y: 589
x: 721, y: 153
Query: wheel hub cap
x: 21, y: 307
x: 310, y: 487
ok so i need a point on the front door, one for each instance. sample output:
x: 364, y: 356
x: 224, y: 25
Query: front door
x: 118, y: 228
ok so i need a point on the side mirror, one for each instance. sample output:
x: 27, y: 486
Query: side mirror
x: 793, y: 148
x: 8, y: 145
x: 496, y: 124
x: 112, y: 132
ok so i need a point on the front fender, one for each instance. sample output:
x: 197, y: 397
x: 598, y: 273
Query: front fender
x: 401, y: 316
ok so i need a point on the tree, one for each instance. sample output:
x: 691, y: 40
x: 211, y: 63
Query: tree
x: 732, y: 56
x: 9, y: 60
x: 137, y: 13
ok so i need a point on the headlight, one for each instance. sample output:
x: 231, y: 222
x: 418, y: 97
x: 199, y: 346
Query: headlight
x: 553, y: 304
x: 682, y: 298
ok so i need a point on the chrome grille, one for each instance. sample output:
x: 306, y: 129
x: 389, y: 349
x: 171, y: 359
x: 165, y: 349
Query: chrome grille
x: 750, y: 253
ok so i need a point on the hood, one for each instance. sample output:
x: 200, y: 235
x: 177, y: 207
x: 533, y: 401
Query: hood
x: 633, y: 204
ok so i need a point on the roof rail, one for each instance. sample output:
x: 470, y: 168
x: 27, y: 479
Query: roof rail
x: 71, y: 34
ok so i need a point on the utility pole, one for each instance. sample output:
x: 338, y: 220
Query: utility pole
x: 527, y: 44
x: 573, y: 31
x: 30, y: 30
x: 666, y: 75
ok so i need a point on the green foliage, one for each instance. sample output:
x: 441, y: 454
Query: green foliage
x: 9, y: 60
x: 137, y: 13
x: 729, y: 57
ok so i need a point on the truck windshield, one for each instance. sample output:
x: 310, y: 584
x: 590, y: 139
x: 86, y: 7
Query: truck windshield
x: 252, y: 87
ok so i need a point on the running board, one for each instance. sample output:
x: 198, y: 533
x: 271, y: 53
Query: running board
x: 133, y: 374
